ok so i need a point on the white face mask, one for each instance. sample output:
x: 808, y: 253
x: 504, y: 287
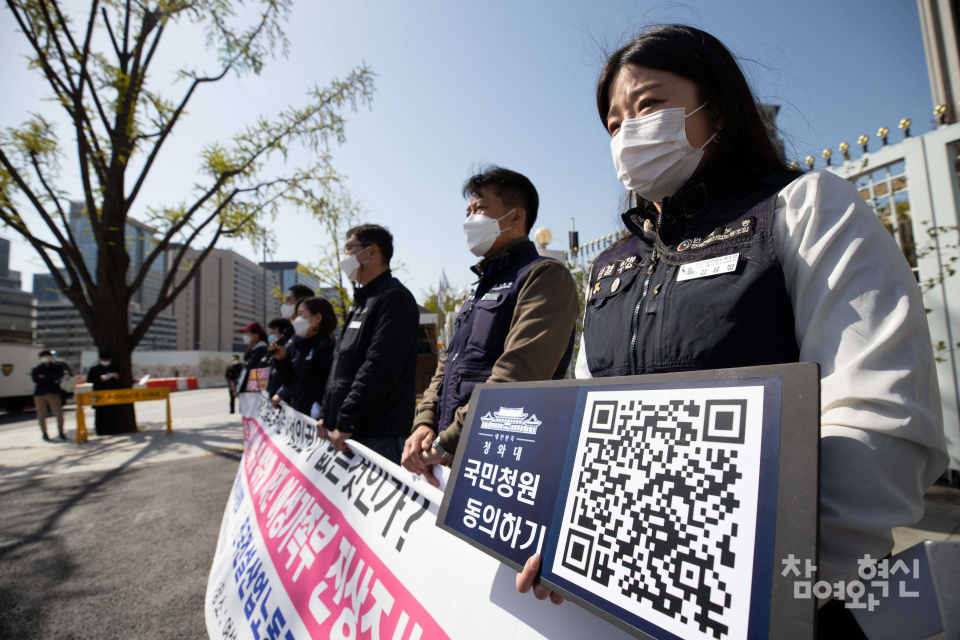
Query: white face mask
x: 350, y: 264
x: 286, y: 310
x: 482, y: 232
x: 652, y: 155
x: 246, y: 338
x: 300, y: 326
x: 105, y: 363
x: 46, y: 359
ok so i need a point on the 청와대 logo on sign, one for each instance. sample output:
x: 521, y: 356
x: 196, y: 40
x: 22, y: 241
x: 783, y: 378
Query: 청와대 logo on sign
x: 512, y: 420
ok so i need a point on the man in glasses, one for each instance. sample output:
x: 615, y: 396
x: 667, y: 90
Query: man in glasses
x: 371, y: 395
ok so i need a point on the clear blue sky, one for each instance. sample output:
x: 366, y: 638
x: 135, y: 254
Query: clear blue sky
x: 512, y: 83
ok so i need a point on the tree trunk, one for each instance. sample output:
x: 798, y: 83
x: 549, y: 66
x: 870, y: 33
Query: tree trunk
x: 115, y: 338
x: 113, y: 321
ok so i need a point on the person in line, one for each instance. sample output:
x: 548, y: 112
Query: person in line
x: 305, y: 366
x: 232, y: 376
x: 256, y: 340
x: 105, y: 376
x: 275, y: 329
x: 819, y: 279
x: 46, y: 394
x: 371, y: 391
x: 516, y: 326
x: 295, y: 294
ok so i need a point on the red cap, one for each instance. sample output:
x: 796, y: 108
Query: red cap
x: 253, y: 327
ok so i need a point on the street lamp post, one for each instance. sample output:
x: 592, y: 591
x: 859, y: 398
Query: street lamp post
x: 264, y: 281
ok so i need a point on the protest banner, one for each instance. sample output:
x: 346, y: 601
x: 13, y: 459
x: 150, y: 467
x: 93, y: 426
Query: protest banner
x: 316, y: 544
x: 257, y: 380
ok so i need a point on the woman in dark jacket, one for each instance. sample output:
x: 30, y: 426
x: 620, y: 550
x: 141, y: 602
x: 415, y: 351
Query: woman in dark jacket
x: 256, y: 340
x: 305, y: 368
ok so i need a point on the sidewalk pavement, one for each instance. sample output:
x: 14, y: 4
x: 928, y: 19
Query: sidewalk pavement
x: 201, y: 424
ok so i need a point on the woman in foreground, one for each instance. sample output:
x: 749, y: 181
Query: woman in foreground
x: 819, y: 279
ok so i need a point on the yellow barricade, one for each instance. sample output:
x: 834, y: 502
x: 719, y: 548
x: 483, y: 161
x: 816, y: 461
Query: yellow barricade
x: 118, y: 396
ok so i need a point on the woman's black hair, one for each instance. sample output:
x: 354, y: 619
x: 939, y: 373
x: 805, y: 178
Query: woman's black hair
x: 280, y: 324
x: 746, y: 152
x: 328, y: 320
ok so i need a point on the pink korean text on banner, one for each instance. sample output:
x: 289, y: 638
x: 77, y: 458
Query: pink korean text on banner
x: 316, y: 544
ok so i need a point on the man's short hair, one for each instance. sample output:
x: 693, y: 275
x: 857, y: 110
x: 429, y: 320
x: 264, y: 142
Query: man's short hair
x: 301, y: 291
x: 514, y: 189
x: 280, y: 324
x: 374, y: 234
x: 46, y: 353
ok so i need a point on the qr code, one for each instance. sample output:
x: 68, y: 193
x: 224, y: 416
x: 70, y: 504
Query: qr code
x: 660, y: 516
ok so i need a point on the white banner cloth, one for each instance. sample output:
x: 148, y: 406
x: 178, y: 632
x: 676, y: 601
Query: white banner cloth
x: 322, y: 545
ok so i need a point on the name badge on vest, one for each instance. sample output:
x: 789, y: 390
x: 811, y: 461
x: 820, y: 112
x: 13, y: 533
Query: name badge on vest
x: 711, y: 267
x: 354, y: 325
x: 490, y: 296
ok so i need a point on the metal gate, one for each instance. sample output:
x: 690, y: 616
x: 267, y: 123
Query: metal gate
x: 913, y: 187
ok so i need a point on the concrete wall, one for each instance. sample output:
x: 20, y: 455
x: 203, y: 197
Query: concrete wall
x: 160, y: 364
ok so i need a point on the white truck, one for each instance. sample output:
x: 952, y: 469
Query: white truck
x: 16, y: 385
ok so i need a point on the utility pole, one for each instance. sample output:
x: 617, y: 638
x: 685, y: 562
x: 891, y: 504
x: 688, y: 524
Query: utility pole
x: 264, y: 284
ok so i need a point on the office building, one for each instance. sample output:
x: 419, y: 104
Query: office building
x: 18, y: 309
x: 140, y: 242
x: 18, y: 316
x: 59, y: 325
x: 8, y: 279
x: 289, y: 274
x: 61, y: 328
x: 46, y: 289
x: 226, y: 294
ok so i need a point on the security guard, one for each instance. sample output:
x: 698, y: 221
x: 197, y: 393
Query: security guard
x: 516, y: 325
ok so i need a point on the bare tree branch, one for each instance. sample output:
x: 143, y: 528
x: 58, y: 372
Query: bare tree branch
x: 183, y: 103
x: 68, y: 244
x: 113, y: 40
x: 55, y: 82
x: 72, y: 290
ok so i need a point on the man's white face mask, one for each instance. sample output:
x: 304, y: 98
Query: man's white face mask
x: 286, y: 310
x: 652, y: 155
x: 482, y: 232
x: 350, y: 264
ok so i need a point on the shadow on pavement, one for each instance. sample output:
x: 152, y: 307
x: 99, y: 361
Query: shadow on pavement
x: 121, y: 553
x: 144, y: 446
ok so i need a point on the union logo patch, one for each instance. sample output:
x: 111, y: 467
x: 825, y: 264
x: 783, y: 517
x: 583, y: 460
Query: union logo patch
x: 7, y: 369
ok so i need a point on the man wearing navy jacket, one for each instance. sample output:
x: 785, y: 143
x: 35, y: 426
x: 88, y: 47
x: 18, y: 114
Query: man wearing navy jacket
x: 46, y: 395
x: 371, y: 392
x: 516, y: 326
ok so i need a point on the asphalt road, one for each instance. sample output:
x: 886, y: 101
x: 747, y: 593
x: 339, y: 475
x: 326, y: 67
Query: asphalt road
x: 122, y: 552
x: 117, y: 554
